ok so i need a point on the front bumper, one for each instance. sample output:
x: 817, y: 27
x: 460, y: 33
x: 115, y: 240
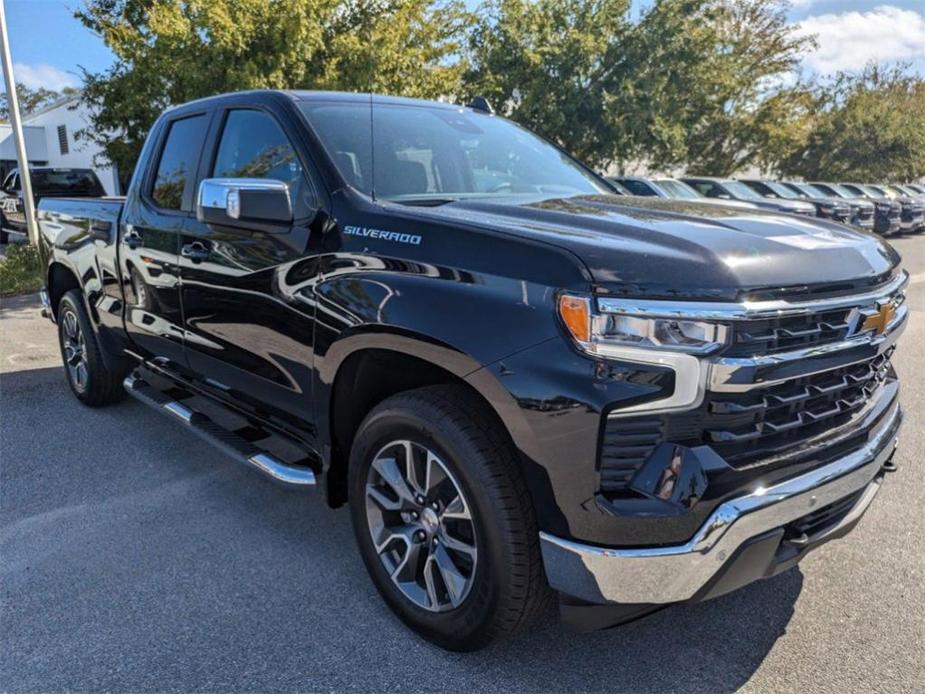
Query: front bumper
x: 660, y: 575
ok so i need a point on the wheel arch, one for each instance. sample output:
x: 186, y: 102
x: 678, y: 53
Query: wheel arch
x: 362, y: 370
x: 59, y: 280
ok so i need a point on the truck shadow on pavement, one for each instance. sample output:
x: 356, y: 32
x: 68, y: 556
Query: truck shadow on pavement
x: 133, y: 556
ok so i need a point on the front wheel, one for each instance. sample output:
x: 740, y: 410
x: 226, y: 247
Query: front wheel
x: 443, y: 518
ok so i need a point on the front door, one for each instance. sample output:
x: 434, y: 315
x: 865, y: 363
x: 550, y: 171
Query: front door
x: 249, y: 333
x: 149, y: 241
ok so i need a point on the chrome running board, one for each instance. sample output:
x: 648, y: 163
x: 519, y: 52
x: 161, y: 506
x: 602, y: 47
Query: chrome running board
x: 229, y: 441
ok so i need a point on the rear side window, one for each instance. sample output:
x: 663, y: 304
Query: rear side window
x: 254, y: 146
x: 178, y: 161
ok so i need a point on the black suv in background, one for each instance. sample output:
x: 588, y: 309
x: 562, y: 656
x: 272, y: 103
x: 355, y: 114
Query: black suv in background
x: 519, y: 383
x: 833, y: 208
x: 887, y: 213
x: 903, y: 208
x: 46, y: 182
x: 730, y: 189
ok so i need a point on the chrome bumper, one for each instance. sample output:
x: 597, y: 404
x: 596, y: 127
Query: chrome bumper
x: 659, y: 575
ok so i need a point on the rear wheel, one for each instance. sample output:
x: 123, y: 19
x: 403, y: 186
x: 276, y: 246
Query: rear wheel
x: 443, y: 518
x: 90, y: 380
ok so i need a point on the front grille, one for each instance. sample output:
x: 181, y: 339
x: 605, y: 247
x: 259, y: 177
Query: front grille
x: 758, y: 427
x: 761, y: 424
x: 781, y: 334
x: 752, y: 419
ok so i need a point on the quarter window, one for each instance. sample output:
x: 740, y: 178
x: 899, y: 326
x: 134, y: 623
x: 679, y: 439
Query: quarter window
x: 178, y: 161
x: 254, y: 146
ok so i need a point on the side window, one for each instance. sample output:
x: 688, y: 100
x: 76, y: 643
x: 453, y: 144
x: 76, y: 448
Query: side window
x: 637, y: 187
x: 707, y: 188
x: 178, y: 161
x: 254, y: 146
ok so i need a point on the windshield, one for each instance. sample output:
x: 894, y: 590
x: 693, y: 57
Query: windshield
x: 781, y: 190
x: 876, y: 191
x: 805, y: 189
x: 677, y: 189
x: 414, y: 153
x: 740, y: 190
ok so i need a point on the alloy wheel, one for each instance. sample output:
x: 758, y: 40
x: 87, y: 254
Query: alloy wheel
x: 421, y: 526
x: 75, y: 350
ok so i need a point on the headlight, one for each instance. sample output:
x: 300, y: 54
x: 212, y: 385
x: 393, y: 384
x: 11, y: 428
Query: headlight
x: 598, y: 333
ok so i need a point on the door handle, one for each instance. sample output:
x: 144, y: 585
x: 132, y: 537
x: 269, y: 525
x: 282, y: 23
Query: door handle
x: 195, y: 251
x: 132, y: 239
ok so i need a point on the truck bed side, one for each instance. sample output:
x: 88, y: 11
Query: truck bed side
x: 78, y: 238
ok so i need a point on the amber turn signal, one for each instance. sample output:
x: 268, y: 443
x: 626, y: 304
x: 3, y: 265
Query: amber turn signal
x: 576, y: 314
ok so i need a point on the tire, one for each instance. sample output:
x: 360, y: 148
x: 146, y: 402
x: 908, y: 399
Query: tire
x: 90, y: 381
x: 505, y: 587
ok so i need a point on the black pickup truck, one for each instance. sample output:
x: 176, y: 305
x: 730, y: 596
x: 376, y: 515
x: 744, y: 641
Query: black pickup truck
x: 520, y: 383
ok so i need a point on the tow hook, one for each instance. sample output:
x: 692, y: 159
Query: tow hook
x: 889, y: 465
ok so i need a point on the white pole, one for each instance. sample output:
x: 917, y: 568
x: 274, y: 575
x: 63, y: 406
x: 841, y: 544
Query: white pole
x: 13, y: 101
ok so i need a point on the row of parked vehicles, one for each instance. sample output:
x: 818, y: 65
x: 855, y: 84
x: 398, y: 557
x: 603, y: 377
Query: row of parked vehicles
x: 884, y: 208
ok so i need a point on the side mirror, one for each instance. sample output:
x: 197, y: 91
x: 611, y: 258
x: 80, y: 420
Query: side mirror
x: 245, y: 203
x: 724, y: 196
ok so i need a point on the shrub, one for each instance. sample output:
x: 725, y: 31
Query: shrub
x: 21, y: 270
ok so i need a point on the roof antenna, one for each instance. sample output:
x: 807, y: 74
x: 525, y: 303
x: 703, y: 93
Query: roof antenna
x: 480, y: 103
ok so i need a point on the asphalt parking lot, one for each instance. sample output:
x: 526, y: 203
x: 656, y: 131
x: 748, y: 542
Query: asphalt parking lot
x: 135, y: 557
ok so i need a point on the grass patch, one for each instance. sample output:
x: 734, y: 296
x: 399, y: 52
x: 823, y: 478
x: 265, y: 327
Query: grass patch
x: 21, y: 270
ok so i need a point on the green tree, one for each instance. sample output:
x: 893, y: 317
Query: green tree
x: 749, y: 97
x: 698, y: 82
x: 32, y: 99
x: 869, y: 127
x: 543, y: 64
x: 172, y: 51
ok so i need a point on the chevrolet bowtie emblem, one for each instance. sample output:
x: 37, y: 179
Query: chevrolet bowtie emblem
x: 876, y: 320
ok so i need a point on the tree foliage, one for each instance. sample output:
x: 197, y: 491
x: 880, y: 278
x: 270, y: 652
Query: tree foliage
x: 868, y: 127
x: 32, y: 99
x: 696, y: 82
x: 709, y: 86
x: 172, y: 51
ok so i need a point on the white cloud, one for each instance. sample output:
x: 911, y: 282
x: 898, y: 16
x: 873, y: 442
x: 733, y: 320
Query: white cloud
x: 848, y: 40
x: 44, y: 76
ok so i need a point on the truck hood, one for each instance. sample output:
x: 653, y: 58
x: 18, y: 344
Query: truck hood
x: 672, y: 248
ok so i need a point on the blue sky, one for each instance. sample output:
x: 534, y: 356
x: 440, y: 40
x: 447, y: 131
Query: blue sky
x: 49, y: 45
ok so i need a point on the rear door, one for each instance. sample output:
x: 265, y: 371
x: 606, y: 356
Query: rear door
x: 249, y: 324
x: 153, y: 221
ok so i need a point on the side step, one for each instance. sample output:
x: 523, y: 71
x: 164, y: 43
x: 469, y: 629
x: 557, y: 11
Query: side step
x: 233, y: 444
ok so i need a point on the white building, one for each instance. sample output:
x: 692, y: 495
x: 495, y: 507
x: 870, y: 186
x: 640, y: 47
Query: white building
x: 49, y: 134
